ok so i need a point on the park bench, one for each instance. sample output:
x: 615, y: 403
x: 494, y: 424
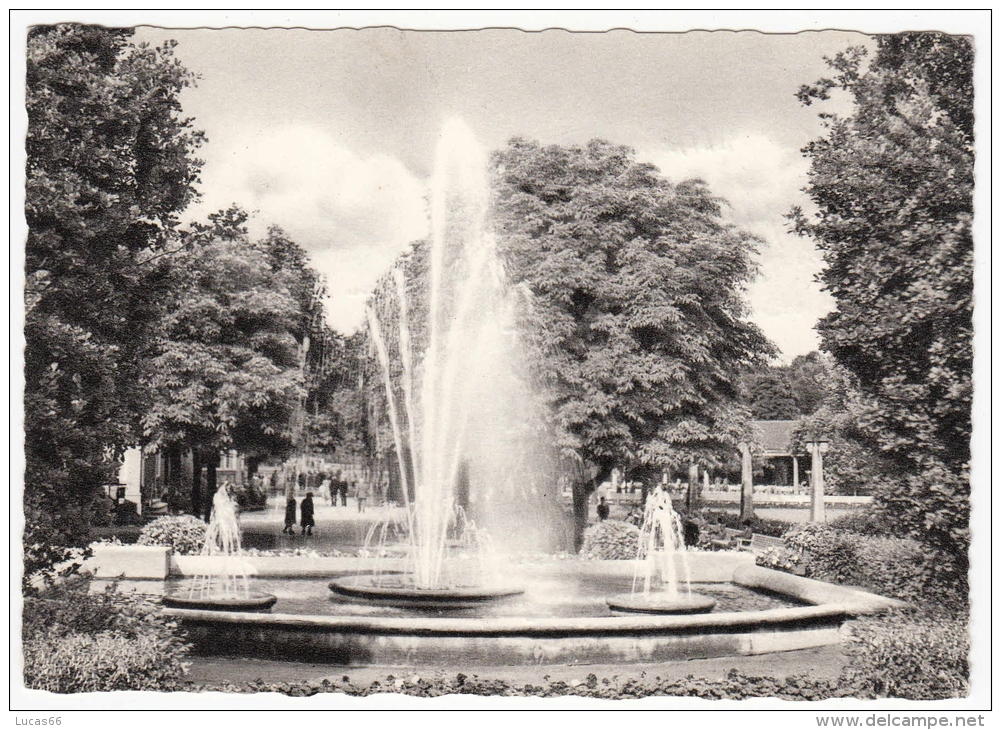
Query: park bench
x: 760, y: 543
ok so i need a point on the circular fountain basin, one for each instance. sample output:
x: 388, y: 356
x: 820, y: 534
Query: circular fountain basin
x: 562, y: 618
x: 252, y: 601
x: 404, y: 596
x: 662, y: 603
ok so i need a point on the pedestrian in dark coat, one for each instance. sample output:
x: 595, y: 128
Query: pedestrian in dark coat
x: 289, y: 516
x: 306, y: 513
x: 603, y: 510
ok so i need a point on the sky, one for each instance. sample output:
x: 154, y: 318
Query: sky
x: 331, y: 134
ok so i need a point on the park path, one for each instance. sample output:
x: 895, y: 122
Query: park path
x: 337, y: 527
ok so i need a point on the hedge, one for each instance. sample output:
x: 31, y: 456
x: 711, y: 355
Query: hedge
x: 893, y: 567
x: 184, y: 534
x: 611, y: 540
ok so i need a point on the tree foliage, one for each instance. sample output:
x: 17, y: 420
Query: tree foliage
x: 781, y: 392
x: 769, y: 395
x: 228, y: 373
x: 336, y: 417
x: 893, y: 186
x: 109, y: 165
x: 807, y: 376
x: 638, y: 302
x: 854, y: 463
x: 637, y: 307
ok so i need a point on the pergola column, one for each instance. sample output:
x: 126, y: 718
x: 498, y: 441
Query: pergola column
x: 795, y: 471
x: 694, y: 495
x: 817, y: 448
x: 746, y: 483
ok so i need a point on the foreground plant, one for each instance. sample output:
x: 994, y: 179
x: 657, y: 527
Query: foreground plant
x: 75, y: 640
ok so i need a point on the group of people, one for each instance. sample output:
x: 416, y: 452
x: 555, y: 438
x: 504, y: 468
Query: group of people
x: 306, y: 511
x: 330, y: 489
x: 333, y: 487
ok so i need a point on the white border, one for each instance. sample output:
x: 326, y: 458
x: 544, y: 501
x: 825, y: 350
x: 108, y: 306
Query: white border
x: 975, y: 23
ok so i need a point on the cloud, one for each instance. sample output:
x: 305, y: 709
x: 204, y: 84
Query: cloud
x: 353, y: 214
x: 762, y: 181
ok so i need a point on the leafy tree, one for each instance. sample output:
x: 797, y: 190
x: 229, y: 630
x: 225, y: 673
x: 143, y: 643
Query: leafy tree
x: 109, y: 164
x: 335, y: 403
x: 638, y: 305
x: 807, y: 377
x: 781, y: 392
x: 853, y: 464
x: 229, y: 369
x: 769, y: 395
x: 332, y: 418
x: 893, y: 185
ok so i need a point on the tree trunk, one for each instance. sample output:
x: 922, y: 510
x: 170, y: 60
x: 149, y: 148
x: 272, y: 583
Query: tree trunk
x: 196, y: 482
x: 582, y: 492
x: 172, y: 476
x: 212, y: 464
x: 173, y: 467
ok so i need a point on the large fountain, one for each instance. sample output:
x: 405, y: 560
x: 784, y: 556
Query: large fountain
x: 457, y: 408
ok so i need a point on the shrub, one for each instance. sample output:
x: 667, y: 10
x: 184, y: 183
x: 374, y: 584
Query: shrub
x: 185, y: 534
x: 48, y: 565
x: 933, y: 507
x: 248, y: 497
x: 916, y: 657
x: 786, y: 559
x: 611, y: 540
x: 893, y: 567
x: 711, y: 534
x: 78, y: 641
x: 100, y: 663
x: 863, y: 522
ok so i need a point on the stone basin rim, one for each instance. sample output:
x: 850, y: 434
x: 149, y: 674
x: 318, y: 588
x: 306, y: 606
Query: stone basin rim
x: 660, y: 604
x: 253, y: 601
x: 626, y: 624
x: 355, y: 587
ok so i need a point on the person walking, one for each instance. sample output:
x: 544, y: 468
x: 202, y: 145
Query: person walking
x: 344, y: 492
x: 325, y: 490
x: 602, y: 510
x: 306, y: 514
x: 335, y: 488
x: 361, y: 494
x: 289, y: 517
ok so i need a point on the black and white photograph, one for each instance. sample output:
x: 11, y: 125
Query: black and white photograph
x: 426, y: 360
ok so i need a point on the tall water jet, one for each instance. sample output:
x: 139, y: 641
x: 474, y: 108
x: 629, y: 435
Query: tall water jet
x: 222, y: 582
x: 457, y: 399
x: 662, y: 578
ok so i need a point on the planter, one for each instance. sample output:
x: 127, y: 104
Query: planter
x: 149, y: 562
